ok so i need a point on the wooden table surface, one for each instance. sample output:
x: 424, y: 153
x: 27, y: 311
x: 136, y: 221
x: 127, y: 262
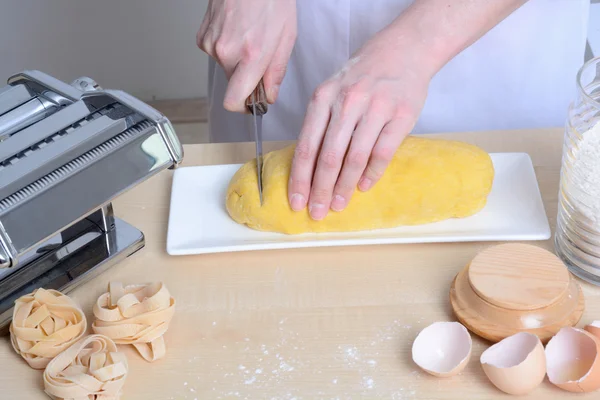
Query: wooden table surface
x: 322, y: 323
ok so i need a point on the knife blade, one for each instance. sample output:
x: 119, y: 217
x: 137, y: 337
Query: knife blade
x: 257, y: 106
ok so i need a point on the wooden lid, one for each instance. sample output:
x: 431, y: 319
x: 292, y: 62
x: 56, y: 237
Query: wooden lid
x: 495, y: 323
x: 518, y: 276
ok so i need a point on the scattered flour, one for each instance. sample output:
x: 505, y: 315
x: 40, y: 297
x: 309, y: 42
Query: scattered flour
x: 278, y: 365
x: 285, y: 367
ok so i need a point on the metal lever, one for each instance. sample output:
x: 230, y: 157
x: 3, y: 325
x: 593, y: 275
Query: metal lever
x: 25, y: 114
x: 21, y: 117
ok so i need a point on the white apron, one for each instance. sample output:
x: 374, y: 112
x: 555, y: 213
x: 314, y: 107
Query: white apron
x: 521, y: 74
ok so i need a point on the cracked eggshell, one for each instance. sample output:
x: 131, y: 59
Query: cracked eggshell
x: 572, y: 360
x: 442, y: 349
x: 515, y: 365
x: 594, y: 328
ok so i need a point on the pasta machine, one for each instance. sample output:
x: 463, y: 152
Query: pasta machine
x: 66, y: 151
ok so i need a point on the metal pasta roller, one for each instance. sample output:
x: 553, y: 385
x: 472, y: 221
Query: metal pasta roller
x: 66, y: 151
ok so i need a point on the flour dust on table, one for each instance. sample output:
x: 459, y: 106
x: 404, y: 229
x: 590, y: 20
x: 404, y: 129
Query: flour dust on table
x: 273, y: 367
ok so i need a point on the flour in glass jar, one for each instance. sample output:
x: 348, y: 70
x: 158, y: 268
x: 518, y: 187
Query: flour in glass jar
x: 584, y: 182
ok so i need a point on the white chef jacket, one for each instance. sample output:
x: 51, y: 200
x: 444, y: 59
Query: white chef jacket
x: 521, y: 74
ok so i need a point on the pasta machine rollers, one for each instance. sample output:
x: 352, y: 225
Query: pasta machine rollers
x: 66, y: 151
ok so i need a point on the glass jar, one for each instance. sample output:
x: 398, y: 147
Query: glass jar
x: 577, y: 237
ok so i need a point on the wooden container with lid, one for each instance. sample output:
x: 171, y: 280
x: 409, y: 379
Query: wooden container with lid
x: 514, y: 288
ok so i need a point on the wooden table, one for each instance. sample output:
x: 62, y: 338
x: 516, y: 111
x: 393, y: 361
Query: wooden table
x: 323, y: 323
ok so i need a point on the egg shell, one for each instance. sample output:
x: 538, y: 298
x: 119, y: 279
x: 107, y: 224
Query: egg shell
x: 442, y: 349
x: 572, y: 360
x: 515, y: 365
x: 594, y: 328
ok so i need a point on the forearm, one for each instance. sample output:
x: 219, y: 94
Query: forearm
x: 440, y: 29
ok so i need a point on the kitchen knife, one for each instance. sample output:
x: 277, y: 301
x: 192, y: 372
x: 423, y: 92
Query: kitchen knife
x: 257, y: 106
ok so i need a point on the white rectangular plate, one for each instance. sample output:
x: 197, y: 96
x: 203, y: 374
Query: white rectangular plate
x: 199, y: 223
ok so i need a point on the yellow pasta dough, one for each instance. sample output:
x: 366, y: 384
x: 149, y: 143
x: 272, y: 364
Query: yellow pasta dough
x: 428, y: 180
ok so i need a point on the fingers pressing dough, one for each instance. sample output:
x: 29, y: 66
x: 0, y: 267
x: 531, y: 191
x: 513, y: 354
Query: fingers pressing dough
x: 44, y: 323
x: 136, y: 314
x: 428, y: 180
x: 90, y: 369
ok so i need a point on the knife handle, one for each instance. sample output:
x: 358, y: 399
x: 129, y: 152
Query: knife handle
x: 259, y: 98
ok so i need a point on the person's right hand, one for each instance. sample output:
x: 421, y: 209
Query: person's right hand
x: 250, y: 39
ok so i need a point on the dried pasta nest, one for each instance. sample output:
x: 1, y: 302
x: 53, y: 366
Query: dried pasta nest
x: 92, y: 368
x: 45, y: 323
x: 138, y: 315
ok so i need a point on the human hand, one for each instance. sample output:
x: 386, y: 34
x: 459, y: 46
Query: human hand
x: 250, y: 40
x: 354, y: 124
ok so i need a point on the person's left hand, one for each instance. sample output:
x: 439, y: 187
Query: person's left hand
x: 354, y: 124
